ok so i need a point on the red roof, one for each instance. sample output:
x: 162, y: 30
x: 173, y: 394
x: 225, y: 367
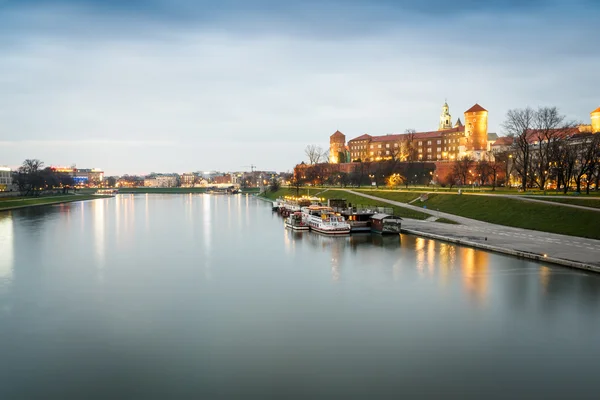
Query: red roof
x: 337, y: 134
x: 597, y: 110
x: 361, y: 137
x: 476, y: 108
x: 400, y: 136
x: 503, y: 141
x: 534, y: 135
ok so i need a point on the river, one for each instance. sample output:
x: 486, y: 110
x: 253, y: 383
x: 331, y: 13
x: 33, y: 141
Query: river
x: 199, y: 296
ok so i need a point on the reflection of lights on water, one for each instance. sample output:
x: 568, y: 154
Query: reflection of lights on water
x: 6, y: 248
x: 431, y: 256
x: 545, y: 273
x: 420, y: 253
x: 474, y: 269
x: 99, y: 236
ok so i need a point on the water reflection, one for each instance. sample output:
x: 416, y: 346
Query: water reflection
x: 264, y: 304
x: 6, y: 248
x: 99, y: 234
x: 474, y: 266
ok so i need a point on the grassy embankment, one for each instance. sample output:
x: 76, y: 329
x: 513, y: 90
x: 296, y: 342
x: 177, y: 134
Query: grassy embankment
x: 512, y: 212
x: 352, y: 199
x: 9, y: 203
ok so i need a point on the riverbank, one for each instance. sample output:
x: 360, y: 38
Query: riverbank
x: 24, y: 202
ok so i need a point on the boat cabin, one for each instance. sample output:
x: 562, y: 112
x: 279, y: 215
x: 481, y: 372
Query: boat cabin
x: 385, y: 223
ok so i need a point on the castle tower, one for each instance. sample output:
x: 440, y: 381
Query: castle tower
x: 445, y: 118
x: 595, y: 115
x: 337, y: 148
x: 476, y: 119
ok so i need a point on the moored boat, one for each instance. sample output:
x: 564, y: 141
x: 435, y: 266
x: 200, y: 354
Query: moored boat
x: 385, y: 223
x: 323, y: 220
x: 107, y: 192
x: 295, y: 222
x: 359, y: 220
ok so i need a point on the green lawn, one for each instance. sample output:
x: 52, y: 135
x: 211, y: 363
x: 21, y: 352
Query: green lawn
x: 587, y: 202
x: 37, y: 201
x: 517, y: 213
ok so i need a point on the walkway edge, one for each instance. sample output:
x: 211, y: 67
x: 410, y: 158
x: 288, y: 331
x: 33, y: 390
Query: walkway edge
x: 517, y: 253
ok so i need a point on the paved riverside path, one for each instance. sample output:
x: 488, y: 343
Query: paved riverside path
x: 561, y: 249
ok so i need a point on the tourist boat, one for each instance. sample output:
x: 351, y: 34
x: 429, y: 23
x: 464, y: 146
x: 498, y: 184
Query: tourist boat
x: 107, y: 192
x: 323, y: 220
x: 359, y: 220
x: 295, y: 222
x: 385, y: 223
x: 291, y: 204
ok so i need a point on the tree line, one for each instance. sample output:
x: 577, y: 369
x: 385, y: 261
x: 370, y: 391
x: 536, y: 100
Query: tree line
x: 547, y: 148
x: 32, y: 178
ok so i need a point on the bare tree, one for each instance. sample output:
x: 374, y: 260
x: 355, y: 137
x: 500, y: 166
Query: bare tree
x: 315, y: 154
x: 407, y: 147
x: 461, y: 169
x: 586, y: 149
x: 518, y: 124
x: 494, y: 169
x: 563, y: 168
x: 482, y: 169
x: 548, y: 127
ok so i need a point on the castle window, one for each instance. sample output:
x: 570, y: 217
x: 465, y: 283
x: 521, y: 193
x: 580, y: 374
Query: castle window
x: 395, y: 144
x: 429, y: 156
x: 429, y: 149
x: 439, y: 142
x: 379, y: 146
x: 387, y: 152
x: 387, y: 146
x: 420, y: 150
x: 439, y: 149
x: 429, y: 142
x: 420, y: 143
x: 371, y: 146
x: 371, y: 153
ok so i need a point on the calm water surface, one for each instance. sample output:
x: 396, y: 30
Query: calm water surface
x: 193, y: 296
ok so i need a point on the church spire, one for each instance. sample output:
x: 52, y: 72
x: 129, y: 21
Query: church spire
x: 445, y: 118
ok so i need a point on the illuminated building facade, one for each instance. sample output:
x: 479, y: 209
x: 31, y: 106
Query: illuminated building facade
x: 161, y: 181
x: 81, y: 176
x: 5, y: 178
x: 449, y: 142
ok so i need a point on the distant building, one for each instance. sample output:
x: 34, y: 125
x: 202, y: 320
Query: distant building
x: 188, y: 179
x: 81, y: 176
x: 5, y: 178
x: 161, y: 181
x: 223, y: 179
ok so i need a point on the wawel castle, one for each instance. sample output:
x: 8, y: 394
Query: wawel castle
x: 449, y: 142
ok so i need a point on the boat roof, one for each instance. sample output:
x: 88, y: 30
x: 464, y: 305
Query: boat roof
x: 383, y: 216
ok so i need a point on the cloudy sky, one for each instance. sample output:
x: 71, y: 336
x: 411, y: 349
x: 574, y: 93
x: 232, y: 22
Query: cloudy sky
x: 187, y: 85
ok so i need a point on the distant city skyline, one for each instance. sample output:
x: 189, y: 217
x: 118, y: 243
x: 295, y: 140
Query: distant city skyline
x: 180, y: 86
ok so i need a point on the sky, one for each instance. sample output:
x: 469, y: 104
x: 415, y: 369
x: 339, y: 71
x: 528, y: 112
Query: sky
x: 181, y: 85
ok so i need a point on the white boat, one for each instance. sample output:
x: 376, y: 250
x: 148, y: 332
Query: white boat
x: 107, y: 192
x: 323, y: 220
x: 295, y: 222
